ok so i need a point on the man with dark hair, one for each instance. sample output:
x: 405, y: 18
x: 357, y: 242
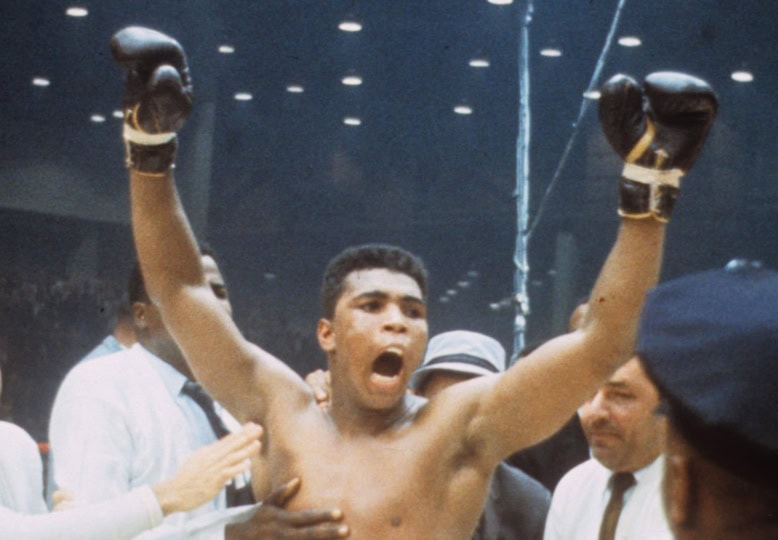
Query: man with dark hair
x: 615, y: 494
x: 709, y: 342
x: 131, y: 418
x: 376, y: 441
x: 365, y: 257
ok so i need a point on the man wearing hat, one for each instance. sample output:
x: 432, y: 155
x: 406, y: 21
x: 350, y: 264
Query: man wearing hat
x: 517, y: 504
x: 709, y: 342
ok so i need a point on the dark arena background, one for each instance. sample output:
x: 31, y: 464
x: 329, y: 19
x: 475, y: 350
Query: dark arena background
x: 277, y: 178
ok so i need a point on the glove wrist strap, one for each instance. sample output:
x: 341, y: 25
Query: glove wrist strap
x: 641, y: 201
x: 149, y: 152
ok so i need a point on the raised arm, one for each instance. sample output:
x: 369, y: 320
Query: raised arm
x: 157, y: 101
x: 658, y: 129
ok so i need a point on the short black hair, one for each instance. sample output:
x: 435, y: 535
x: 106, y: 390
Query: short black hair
x: 365, y: 257
x: 136, y: 286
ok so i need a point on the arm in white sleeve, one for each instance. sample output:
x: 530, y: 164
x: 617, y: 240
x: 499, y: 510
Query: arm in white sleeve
x: 122, y: 518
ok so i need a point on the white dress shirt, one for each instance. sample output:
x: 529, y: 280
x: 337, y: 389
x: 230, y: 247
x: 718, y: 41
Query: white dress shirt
x: 581, y: 496
x: 21, y: 471
x: 120, y: 422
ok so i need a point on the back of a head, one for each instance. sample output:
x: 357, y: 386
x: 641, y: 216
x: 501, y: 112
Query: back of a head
x: 366, y: 257
x: 709, y: 341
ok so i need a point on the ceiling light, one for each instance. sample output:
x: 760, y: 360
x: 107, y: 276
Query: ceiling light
x: 551, y: 52
x: 243, y: 96
x: 350, y: 26
x: 500, y: 2
x: 76, y: 11
x: 295, y: 89
x: 742, y: 76
x: 352, y: 80
x: 444, y: 299
x: 118, y: 114
x: 97, y: 118
x: 352, y: 121
x: 592, y: 94
x: 463, y: 109
x: 630, y: 41
x: 40, y: 81
x: 479, y: 63
x: 226, y: 49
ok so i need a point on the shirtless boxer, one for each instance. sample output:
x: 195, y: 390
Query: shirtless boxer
x: 398, y: 465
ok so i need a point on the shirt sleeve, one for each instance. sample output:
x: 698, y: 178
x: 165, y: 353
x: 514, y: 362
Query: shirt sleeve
x: 122, y: 518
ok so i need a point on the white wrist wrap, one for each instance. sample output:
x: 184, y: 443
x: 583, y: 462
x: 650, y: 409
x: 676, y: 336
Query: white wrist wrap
x: 146, y: 139
x: 644, y: 175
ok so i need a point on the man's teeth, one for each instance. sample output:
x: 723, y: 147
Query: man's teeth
x: 394, y: 350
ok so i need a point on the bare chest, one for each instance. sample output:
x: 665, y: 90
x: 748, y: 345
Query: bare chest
x: 394, y: 487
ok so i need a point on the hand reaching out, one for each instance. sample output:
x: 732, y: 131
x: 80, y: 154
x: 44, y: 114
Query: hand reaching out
x: 203, y: 474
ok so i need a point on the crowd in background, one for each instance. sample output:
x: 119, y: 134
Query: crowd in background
x: 49, y: 321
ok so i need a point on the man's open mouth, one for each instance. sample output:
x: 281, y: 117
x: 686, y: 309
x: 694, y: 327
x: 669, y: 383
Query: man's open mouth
x: 389, y: 363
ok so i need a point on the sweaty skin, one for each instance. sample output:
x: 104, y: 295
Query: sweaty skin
x: 397, y: 465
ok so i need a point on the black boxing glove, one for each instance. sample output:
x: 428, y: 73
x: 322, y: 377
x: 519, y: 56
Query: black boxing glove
x: 659, y: 130
x: 157, y: 99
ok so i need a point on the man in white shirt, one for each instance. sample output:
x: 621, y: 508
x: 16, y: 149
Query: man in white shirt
x: 625, y: 435
x: 124, y: 420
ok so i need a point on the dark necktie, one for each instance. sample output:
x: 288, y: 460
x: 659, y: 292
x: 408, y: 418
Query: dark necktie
x: 235, y: 496
x: 620, y: 482
x: 201, y: 397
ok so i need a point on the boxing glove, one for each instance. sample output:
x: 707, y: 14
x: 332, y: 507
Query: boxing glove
x: 157, y: 99
x: 658, y: 129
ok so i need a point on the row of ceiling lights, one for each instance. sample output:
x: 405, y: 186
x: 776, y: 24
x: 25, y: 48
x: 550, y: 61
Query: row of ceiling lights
x: 356, y: 80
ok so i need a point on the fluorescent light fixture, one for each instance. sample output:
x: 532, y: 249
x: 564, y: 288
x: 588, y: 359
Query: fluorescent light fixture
x: 352, y: 121
x: 444, y: 300
x: 463, y: 109
x: 97, y: 118
x: 479, y: 63
x: 630, y: 41
x: 592, y: 94
x: 350, y: 26
x: 226, y: 49
x: 500, y: 2
x: 551, y: 52
x: 118, y: 114
x: 742, y: 76
x: 295, y: 89
x: 243, y: 96
x: 76, y: 11
x: 40, y: 81
x: 352, y: 80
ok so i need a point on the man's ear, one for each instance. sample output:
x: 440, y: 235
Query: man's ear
x: 325, y: 333
x: 679, y: 491
x: 139, y: 315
